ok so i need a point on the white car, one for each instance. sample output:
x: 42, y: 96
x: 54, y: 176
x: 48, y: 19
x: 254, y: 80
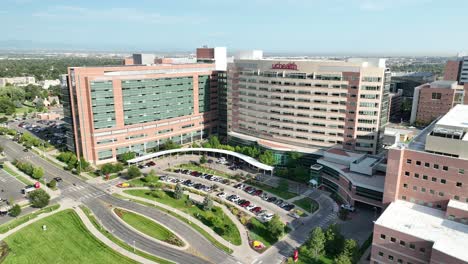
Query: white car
x: 235, y: 199
x: 294, y: 215
x: 266, y: 217
x: 348, y: 207
x: 250, y: 207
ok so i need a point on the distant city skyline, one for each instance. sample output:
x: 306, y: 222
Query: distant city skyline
x: 333, y: 27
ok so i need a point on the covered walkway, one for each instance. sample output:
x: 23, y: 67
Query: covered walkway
x: 261, y: 167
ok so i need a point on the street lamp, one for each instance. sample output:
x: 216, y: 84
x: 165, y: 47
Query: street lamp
x: 134, y: 246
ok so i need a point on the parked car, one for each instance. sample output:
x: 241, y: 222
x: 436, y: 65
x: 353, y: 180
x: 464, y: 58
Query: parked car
x: 266, y: 217
x: 279, y: 202
x: 256, y: 210
x: 58, y: 179
x: 245, y: 204
x: 289, y: 207
x: 264, y: 196
x: 239, y: 186
x: 348, y: 207
x: 248, y: 188
x: 241, y: 201
x: 294, y: 215
x: 250, y: 207
x: 272, y: 199
x: 149, y: 164
x: 257, y: 192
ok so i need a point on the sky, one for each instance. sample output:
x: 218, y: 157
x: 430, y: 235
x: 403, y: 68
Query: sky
x: 400, y: 27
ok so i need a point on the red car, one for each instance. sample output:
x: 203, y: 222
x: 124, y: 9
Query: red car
x: 245, y: 204
x: 151, y: 163
x: 256, y: 210
x: 247, y: 189
x: 258, y: 192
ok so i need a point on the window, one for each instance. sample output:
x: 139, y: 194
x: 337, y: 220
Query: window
x: 423, y: 189
x: 390, y: 257
x: 418, y: 163
x: 412, y: 246
x: 408, y: 161
x: 456, y: 197
x: 400, y: 261
x: 424, y: 177
x: 461, y: 171
x: 423, y: 250
x: 403, y: 197
x: 432, y: 191
x: 441, y: 194
x: 427, y: 165
x: 402, y: 243
x: 443, y: 181
x: 445, y: 168
x: 392, y: 239
x: 381, y: 253
x: 415, y: 188
x: 436, y: 166
x: 416, y: 175
x: 407, y: 173
x: 459, y: 184
x: 436, y: 96
x: 382, y: 236
x: 405, y: 185
x: 434, y: 179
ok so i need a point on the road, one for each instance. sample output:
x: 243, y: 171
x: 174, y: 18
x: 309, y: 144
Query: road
x: 100, y: 203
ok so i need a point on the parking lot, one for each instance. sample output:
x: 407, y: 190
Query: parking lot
x: 243, y: 197
x: 10, y: 188
x: 51, y: 131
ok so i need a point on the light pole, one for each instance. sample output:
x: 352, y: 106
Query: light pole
x: 134, y: 246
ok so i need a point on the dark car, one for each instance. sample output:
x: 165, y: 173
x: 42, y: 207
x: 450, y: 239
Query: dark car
x: 241, y: 201
x: 151, y: 163
x: 256, y: 210
x: 58, y: 179
x: 178, y: 171
x: 289, y: 207
x: 248, y: 189
x: 272, y: 199
x: 245, y: 204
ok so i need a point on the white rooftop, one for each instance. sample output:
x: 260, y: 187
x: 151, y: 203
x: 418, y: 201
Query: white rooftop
x: 458, y: 205
x: 457, y: 117
x: 429, y: 224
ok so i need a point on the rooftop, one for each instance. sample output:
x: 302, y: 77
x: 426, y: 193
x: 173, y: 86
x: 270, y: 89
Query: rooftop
x: 429, y: 224
x: 455, y: 118
x: 458, y: 205
x: 444, y: 84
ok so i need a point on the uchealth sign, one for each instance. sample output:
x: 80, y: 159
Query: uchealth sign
x: 285, y: 66
x: 37, y: 185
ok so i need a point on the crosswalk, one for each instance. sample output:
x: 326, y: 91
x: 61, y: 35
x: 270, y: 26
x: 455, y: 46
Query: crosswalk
x: 82, y: 193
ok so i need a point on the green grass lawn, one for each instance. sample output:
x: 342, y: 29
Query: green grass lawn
x: 304, y: 260
x: 200, y: 230
x: 284, y: 194
x: 231, y: 233
x: 309, y: 205
x: 259, y: 231
x: 203, y: 169
x: 66, y: 241
x: 119, y: 242
x: 149, y: 227
x: 25, y: 218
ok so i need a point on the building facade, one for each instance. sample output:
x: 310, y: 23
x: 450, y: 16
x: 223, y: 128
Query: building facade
x: 306, y: 103
x: 435, y: 99
x: 426, y: 191
x: 113, y: 110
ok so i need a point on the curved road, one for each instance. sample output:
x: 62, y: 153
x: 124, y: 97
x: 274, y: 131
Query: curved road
x: 100, y: 203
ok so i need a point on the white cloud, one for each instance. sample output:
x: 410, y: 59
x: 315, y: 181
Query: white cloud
x: 115, y: 14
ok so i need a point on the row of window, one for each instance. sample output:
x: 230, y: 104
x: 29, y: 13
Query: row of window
x: 433, y: 179
x: 434, y: 166
x: 402, y: 243
x: 390, y: 258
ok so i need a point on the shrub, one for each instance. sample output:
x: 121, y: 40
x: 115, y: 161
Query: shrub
x: 39, y: 198
x: 133, y: 172
x: 52, y: 184
x: 15, y: 210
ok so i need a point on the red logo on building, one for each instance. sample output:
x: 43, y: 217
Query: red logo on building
x: 285, y: 66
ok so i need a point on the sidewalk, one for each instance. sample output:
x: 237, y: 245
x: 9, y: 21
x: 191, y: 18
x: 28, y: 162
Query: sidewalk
x: 107, y: 241
x: 243, y: 251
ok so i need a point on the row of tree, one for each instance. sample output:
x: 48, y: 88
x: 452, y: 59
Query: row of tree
x: 73, y: 163
x: 26, y: 167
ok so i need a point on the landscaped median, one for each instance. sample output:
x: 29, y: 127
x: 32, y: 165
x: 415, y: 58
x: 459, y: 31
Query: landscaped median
x: 284, y: 194
x: 64, y: 239
x: 149, y: 227
x: 200, y: 230
x: 309, y: 205
x: 25, y: 218
x: 119, y: 242
x: 213, y: 218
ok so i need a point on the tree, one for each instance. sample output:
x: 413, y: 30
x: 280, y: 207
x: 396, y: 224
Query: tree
x: 276, y: 227
x: 214, y: 142
x: 151, y: 177
x: 267, y: 157
x: 343, y: 214
x: 53, y: 103
x: 207, y: 203
x: 195, y: 145
x: 52, y: 183
x: 15, y: 210
x: 126, y: 156
x: 203, y: 159
x: 334, y: 240
x: 293, y: 159
x: 316, y: 243
x: 169, y: 144
x: 343, y: 258
x: 37, y: 173
x: 351, y: 250
x: 133, y: 172
x: 179, y: 191
x: 7, y: 106
x: 39, y: 198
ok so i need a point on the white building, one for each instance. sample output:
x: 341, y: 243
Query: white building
x: 18, y: 81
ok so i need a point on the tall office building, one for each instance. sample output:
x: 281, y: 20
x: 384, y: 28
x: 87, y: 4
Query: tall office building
x: 308, y: 104
x: 137, y: 108
x: 457, y: 70
x: 426, y: 190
